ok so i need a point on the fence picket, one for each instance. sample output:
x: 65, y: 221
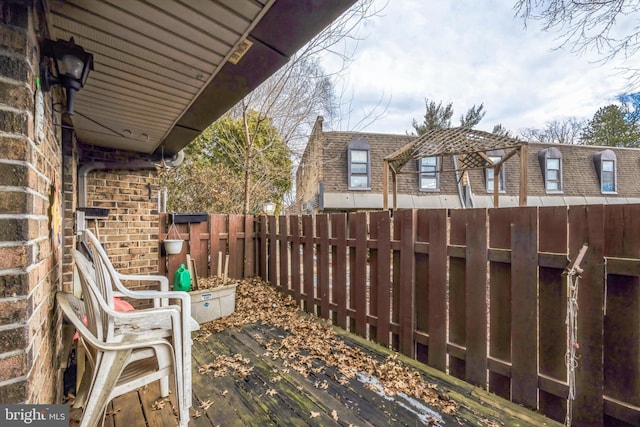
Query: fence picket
x: 380, y: 266
x: 322, y: 227
x: 552, y: 311
x: 294, y: 229
x: 308, y: 263
x: 339, y: 266
x: 456, y: 346
x: 407, y: 222
x: 437, y: 298
x: 586, y: 225
x: 622, y: 320
x: 500, y: 302
x: 358, y: 273
x: 283, y: 253
x: 524, y: 307
x: 476, y: 289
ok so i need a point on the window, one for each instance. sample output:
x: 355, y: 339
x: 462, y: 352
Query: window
x: 552, y: 176
x: 489, y: 175
x: 428, y: 178
x: 608, y: 176
x: 551, y: 165
x: 605, y: 164
x: 359, y: 165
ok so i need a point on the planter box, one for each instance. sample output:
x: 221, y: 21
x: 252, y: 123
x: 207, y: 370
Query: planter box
x: 211, y: 304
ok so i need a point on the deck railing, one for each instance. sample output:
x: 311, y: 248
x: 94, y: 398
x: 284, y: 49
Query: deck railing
x: 480, y: 293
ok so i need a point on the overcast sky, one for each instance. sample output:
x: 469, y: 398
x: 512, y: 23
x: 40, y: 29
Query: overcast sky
x: 469, y: 52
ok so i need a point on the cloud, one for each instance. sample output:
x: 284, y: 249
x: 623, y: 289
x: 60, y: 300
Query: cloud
x: 469, y: 52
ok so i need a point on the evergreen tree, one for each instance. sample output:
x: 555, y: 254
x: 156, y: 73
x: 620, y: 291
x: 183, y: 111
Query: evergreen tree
x: 611, y: 127
x: 438, y: 116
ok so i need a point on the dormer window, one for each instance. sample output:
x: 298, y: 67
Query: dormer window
x: 359, y: 168
x: 551, y: 165
x: 495, y: 156
x: 605, y: 164
x: 428, y: 177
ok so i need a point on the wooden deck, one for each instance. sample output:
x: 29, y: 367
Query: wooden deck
x: 274, y: 394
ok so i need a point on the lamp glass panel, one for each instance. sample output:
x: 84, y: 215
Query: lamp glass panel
x: 71, y: 66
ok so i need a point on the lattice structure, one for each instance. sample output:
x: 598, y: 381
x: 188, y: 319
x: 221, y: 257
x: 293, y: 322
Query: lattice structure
x: 473, y: 148
x: 453, y: 141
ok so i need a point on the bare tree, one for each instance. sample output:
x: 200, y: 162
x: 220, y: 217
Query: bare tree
x: 607, y: 26
x: 299, y: 92
x: 565, y: 131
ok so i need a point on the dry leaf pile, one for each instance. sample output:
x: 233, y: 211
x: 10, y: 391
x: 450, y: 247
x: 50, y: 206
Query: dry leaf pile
x: 310, y: 346
x: 213, y: 282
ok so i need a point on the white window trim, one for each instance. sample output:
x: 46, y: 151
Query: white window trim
x: 560, y: 182
x: 359, y: 144
x: 615, y: 176
x: 502, y: 182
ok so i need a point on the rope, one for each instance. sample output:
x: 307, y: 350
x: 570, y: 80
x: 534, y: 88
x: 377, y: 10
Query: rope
x: 571, y: 359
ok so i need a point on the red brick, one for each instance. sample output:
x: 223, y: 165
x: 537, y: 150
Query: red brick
x: 13, y: 312
x: 13, y: 367
x: 14, y: 393
x: 13, y: 339
x: 14, y: 257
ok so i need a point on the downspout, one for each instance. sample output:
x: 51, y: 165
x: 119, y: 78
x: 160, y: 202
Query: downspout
x: 84, y: 170
x: 465, y: 202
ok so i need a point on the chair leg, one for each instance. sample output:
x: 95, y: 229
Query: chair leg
x: 108, y: 370
x: 164, y: 386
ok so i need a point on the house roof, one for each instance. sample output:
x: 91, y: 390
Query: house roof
x: 166, y: 70
x: 470, y: 143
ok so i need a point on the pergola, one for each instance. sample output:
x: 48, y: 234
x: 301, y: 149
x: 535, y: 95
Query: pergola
x: 471, y: 147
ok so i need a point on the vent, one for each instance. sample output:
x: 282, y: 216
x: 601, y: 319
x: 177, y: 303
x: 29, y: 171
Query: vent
x: 242, y: 48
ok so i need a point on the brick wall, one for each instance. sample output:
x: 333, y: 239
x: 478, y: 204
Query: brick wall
x: 30, y: 219
x: 130, y: 232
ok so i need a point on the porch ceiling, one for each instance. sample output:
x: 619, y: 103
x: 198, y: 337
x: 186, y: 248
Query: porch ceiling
x: 162, y: 70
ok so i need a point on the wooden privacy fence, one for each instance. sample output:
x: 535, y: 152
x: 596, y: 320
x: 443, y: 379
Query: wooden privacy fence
x: 481, y: 294
x: 205, y: 241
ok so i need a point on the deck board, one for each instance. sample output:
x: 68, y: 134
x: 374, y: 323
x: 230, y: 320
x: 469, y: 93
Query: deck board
x: 274, y: 395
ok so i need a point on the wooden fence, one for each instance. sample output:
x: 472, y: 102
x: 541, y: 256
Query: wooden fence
x: 208, y: 242
x: 479, y: 294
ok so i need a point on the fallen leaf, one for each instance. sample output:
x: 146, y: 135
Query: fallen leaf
x: 314, y: 414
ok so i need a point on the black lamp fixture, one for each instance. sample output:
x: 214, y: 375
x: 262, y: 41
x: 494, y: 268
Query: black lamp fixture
x: 72, y: 65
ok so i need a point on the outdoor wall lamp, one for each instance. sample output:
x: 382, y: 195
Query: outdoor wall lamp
x: 72, y: 65
x: 269, y: 208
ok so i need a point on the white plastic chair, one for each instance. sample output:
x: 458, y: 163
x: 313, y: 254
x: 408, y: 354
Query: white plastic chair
x: 113, y: 282
x: 161, y: 321
x: 118, y: 367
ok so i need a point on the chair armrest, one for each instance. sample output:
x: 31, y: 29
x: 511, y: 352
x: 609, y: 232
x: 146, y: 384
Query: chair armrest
x: 164, y: 282
x: 65, y: 303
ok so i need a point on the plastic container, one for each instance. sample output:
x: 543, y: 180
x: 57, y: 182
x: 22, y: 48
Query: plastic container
x: 182, y: 279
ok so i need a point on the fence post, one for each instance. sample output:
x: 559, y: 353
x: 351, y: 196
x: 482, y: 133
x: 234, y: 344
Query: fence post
x: 262, y: 244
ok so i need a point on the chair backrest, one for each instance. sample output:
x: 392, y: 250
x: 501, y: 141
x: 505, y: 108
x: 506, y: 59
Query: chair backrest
x: 106, y: 274
x: 97, y: 294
